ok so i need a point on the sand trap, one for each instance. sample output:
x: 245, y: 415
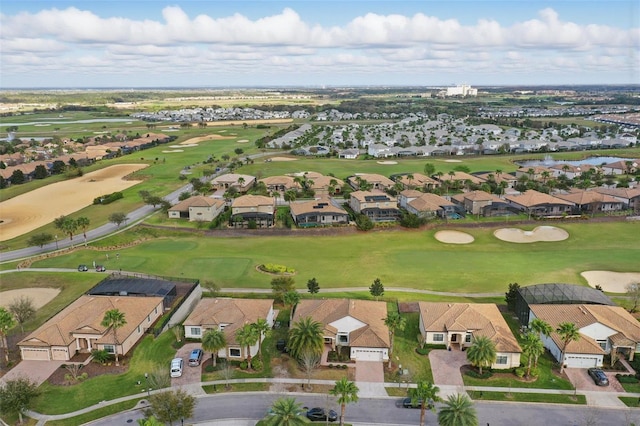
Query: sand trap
x: 40, y: 296
x: 540, y: 233
x: 39, y: 207
x: 243, y: 141
x: 184, y: 146
x: 452, y: 161
x: 613, y: 282
x: 205, y: 138
x: 454, y: 237
x: 283, y: 159
x: 173, y: 150
x: 387, y: 162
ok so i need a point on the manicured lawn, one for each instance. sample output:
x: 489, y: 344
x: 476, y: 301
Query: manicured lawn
x: 631, y: 387
x: 400, y: 258
x: 545, y: 398
x: 404, y: 353
x: 148, y: 355
x: 237, y: 387
x: 630, y: 401
x: 95, y: 414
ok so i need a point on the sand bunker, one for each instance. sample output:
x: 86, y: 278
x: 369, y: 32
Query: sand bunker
x: 199, y: 139
x: 540, y: 233
x: 612, y: 282
x: 452, y: 161
x: 387, y: 162
x: 184, y: 145
x: 243, y: 141
x: 454, y: 237
x: 39, y: 207
x: 283, y: 159
x: 40, y: 296
x: 173, y: 150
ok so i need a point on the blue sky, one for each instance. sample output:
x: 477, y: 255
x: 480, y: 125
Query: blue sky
x: 197, y: 43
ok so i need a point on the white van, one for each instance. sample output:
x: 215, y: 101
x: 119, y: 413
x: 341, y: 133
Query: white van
x: 176, y: 367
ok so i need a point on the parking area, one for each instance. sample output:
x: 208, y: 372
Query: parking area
x: 445, y: 366
x: 190, y: 375
x: 582, y: 381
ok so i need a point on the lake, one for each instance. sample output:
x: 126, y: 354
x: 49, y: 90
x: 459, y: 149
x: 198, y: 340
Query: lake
x: 549, y: 161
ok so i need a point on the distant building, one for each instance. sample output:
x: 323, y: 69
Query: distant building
x: 461, y: 90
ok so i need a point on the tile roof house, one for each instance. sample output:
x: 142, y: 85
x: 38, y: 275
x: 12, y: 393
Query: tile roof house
x: 280, y: 183
x: 319, y: 212
x: 461, y: 177
x: 233, y: 180
x: 590, y: 201
x: 629, y: 196
x: 480, y: 203
x: 540, y: 204
x: 197, y: 208
x: 377, y: 181
x: 326, y: 185
x: 620, y: 167
x: 248, y: 209
x: 418, y: 180
x: 378, y: 205
x: 425, y: 204
x: 357, y: 324
x: 77, y: 328
x: 603, y: 328
x: 457, y: 324
x: 228, y: 315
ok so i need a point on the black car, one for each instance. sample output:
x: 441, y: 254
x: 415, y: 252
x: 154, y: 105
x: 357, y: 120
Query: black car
x: 407, y: 403
x: 598, y: 376
x: 319, y: 414
x: 83, y: 268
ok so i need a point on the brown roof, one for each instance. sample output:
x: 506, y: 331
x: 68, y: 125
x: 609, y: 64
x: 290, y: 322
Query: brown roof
x: 531, y: 198
x: 372, y: 178
x: 253, y: 201
x: 322, y: 182
x: 375, y: 334
x: 418, y: 180
x: 429, y: 202
x: 315, y: 206
x: 210, y: 313
x: 481, y: 319
x: 478, y: 196
x: 197, y: 201
x: 232, y: 179
x: 86, y: 313
x: 626, y: 193
x: 461, y: 176
x: 581, y: 197
x: 361, y: 196
x: 286, y: 181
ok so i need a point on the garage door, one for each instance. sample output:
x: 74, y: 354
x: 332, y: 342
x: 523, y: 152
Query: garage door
x: 580, y: 361
x: 35, y: 354
x: 368, y: 355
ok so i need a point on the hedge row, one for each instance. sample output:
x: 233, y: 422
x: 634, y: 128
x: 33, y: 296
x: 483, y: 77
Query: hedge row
x: 106, y: 199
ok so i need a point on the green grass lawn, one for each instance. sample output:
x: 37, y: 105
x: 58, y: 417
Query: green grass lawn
x: 545, y: 398
x: 95, y: 414
x: 405, y: 343
x: 147, y: 356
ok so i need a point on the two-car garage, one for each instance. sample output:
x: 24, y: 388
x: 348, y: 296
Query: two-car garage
x: 582, y: 361
x: 369, y: 354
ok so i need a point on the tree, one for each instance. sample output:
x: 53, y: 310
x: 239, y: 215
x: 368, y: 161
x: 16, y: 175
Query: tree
x: 429, y: 169
x: 395, y: 322
x: 213, y: 341
x: 6, y: 323
x: 83, y: 223
x: 309, y: 361
x: 306, y: 335
x: 114, y: 319
x: 364, y: 222
x: 346, y: 392
x: 262, y: 327
x: 427, y: 394
x: 541, y: 327
x: 172, y: 405
x: 286, y: 412
x: 291, y: 299
x: 312, y: 286
x: 118, y: 218
x: 40, y: 172
x: 633, y: 292
x: 17, y: 177
x: 482, y: 352
x: 510, y: 296
x: 153, y: 200
x: 568, y: 332
x: 532, y: 348
x: 458, y: 410
x: 66, y: 225
x: 40, y: 239
x: 247, y: 336
x: 22, y: 309
x: 281, y: 285
x: 376, y: 288
x: 16, y: 396
x: 150, y: 421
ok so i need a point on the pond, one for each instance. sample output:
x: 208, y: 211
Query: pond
x: 549, y: 161
x: 56, y: 121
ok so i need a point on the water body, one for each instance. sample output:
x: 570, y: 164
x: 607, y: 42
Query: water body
x: 549, y: 161
x: 61, y: 121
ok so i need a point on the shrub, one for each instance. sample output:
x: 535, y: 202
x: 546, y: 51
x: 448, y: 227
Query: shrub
x: 520, y: 371
x: 256, y: 364
x: 244, y: 365
x: 330, y: 365
x: 276, y: 269
x: 107, y: 199
x: 627, y: 378
x: 476, y: 375
x: 534, y: 372
x: 422, y: 351
x: 100, y: 356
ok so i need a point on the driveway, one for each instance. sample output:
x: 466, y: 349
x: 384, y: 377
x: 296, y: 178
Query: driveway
x: 36, y: 371
x: 445, y: 366
x: 370, y: 378
x: 190, y: 375
x: 582, y: 381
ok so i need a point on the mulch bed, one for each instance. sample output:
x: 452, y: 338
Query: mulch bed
x: 92, y: 369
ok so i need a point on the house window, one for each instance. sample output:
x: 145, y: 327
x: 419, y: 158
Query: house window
x: 148, y: 318
x: 502, y: 359
x: 467, y: 338
x: 110, y: 349
x: 602, y: 343
x: 195, y: 331
x: 343, y: 339
x: 438, y: 337
x: 138, y: 329
x: 234, y: 352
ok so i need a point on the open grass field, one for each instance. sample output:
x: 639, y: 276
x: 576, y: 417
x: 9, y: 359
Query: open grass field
x: 400, y: 258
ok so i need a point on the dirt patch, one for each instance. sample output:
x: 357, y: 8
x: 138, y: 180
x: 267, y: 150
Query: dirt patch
x: 283, y: 159
x: 612, y: 282
x: 92, y: 369
x: 199, y: 139
x: 40, y: 296
x: 27, y: 212
x: 454, y: 237
x: 540, y: 233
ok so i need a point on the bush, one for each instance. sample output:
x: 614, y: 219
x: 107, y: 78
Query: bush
x: 244, y: 365
x: 627, y: 378
x: 534, y: 372
x: 486, y: 373
x: 101, y: 356
x: 422, y: 351
x: 276, y: 269
x: 107, y: 199
x: 256, y: 364
x: 520, y: 371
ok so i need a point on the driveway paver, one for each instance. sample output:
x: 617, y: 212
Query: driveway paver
x: 583, y: 382
x: 36, y: 371
x: 445, y: 366
x: 190, y: 375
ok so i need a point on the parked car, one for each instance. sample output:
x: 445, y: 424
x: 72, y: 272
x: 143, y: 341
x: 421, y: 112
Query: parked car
x: 176, y: 367
x: 318, y: 414
x: 195, y: 357
x: 100, y: 268
x: 407, y: 403
x: 83, y: 268
x: 598, y: 376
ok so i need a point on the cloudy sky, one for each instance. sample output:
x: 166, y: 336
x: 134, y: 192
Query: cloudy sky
x: 197, y: 43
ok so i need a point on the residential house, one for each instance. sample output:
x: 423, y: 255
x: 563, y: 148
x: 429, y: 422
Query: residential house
x: 229, y: 315
x: 568, y: 170
x: 376, y: 181
x: 242, y: 183
x: 590, y: 202
x: 499, y: 177
x: 320, y: 212
x: 425, y: 204
x: 377, y: 205
x: 349, y: 154
x: 629, y: 196
x: 456, y: 325
x: 460, y: 177
x: 620, y: 167
x: 356, y: 324
x: 540, y: 204
x: 536, y: 173
x: 280, y: 183
x: 603, y: 329
x: 325, y: 185
x: 197, y: 209
x: 418, y: 180
x: 249, y: 210
x: 481, y: 203
x: 78, y: 328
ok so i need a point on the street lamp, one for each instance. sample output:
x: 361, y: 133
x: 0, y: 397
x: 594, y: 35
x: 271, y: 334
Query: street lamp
x: 146, y: 377
x: 56, y: 237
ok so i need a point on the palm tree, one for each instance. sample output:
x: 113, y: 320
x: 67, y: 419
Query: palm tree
x: 395, y: 322
x: 568, y: 332
x: 115, y: 319
x: 542, y: 328
x: 427, y: 394
x: 247, y: 336
x: 346, y: 392
x: 532, y: 348
x: 482, y: 352
x: 458, y: 410
x: 83, y: 222
x: 286, y: 412
x: 291, y: 299
x: 7, y: 322
x: 306, y: 334
x: 262, y: 327
x: 212, y: 341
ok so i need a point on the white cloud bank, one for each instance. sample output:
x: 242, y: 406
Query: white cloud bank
x: 71, y: 45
